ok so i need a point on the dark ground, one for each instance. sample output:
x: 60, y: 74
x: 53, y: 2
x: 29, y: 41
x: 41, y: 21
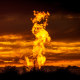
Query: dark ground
x: 12, y: 73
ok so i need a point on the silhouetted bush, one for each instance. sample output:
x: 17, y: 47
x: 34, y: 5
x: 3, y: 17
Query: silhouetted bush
x: 11, y: 73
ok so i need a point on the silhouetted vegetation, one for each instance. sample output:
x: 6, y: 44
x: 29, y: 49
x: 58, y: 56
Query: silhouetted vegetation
x: 14, y: 73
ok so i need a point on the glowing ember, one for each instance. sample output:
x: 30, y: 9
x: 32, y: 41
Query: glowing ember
x: 42, y: 36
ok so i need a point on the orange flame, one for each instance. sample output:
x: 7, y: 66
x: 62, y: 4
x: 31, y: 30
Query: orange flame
x: 42, y: 36
x: 28, y: 61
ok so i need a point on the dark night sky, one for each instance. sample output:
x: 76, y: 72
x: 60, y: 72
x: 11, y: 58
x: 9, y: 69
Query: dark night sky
x: 64, y: 22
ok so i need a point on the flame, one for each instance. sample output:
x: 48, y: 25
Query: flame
x: 41, y: 60
x: 28, y: 61
x: 42, y: 36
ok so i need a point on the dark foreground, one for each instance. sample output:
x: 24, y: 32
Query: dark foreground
x: 11, y: 73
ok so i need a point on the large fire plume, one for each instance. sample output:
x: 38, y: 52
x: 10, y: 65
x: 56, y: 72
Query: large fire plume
x: 41, y: 35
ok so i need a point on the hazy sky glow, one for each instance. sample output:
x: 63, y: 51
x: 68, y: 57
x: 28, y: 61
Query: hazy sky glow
x: 57, y: 51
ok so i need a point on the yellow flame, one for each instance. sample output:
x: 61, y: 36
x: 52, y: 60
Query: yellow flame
x: 28, y: 61
x: 41, y: 60
x: 42, y: 36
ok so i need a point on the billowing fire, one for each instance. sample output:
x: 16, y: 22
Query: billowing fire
x: 15, y: 50
x: 42, y: 36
